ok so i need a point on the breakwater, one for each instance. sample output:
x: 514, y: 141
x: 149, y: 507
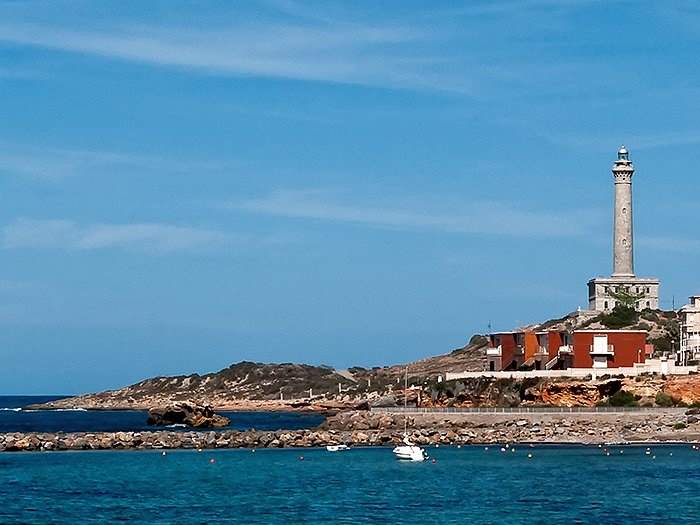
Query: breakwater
x: 362, y: 428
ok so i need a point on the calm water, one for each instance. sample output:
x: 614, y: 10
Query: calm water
x: 468, y: 485
x: 12, y: 419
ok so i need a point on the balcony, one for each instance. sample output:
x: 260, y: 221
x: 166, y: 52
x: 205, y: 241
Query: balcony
x: 566, y: 349
x: 607, y: 350
x: 494, y: 352
x: 541, y: 352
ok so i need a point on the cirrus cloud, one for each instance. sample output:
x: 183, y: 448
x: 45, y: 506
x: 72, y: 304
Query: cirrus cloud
x: 149, y: 237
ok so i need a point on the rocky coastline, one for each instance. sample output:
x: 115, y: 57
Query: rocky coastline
x: 363, y: 428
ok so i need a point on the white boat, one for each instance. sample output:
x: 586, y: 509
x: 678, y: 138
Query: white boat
x: 337, y: 448
x: 408, y: 451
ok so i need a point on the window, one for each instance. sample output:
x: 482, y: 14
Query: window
x: 647, y: 289
x: 648, y: 304
x: 606, y: 305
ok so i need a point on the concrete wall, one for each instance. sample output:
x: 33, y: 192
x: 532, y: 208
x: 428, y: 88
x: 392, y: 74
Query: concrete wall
x: 650, y: 367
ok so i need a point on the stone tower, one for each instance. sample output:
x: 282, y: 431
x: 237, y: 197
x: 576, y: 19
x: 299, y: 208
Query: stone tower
x: 623, y: 242
x: 604, y: 292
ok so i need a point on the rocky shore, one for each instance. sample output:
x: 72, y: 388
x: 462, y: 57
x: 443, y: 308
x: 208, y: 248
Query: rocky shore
x: 376, y: 429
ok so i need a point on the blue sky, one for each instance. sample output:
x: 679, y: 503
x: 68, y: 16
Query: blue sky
x: 189, y: 184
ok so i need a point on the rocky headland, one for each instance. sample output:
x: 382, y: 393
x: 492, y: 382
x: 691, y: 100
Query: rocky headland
x: 295, y: 387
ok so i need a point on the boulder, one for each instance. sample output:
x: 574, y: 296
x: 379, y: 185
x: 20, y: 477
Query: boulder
x: 186, y: 413
x: 384, y: 402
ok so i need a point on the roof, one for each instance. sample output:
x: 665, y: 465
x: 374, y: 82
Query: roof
x: 607, y: 331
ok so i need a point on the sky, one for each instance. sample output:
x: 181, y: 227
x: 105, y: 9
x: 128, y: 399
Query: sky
x: 184, y: 185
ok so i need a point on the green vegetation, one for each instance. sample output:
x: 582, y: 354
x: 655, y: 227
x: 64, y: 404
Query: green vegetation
x: 664, y: 400
x: 650, y: 315
x: 622, y: 398
x: 679, y: 426
x: 625, y: 298
x: 620, y: 317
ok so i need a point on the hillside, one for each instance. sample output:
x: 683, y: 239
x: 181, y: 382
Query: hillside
x: 259, y: 386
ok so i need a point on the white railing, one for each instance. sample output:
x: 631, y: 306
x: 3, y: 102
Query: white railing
x: 494, y: 351
x: 609, y: 351
x: 550, y: 364
x: 629, y: 371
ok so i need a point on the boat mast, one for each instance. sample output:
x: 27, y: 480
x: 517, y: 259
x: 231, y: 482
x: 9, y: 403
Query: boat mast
x: 405, y: 404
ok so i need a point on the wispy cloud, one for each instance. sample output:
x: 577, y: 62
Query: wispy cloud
x: 492, y: 218
x: 148, y: 237
x: 333, y: 52
x: 57, y: 163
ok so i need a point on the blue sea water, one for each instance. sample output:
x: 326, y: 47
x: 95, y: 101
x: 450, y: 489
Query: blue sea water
x: 13, y: 419
x: 558, y: 485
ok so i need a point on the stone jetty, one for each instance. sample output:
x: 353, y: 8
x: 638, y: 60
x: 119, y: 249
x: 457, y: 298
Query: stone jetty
x: 363, y: 428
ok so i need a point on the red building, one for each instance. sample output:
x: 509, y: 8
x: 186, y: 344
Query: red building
x: 608, y: 348
x: 553, y: 349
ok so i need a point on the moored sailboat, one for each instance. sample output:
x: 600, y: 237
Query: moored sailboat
x: 409, y: 451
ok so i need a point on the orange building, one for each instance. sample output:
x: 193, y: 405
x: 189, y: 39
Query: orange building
x: 505, y: 351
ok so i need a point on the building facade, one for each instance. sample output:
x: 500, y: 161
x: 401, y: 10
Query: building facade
x: 604, y: 293
x: 609, y: 348
x: 559, y: 350
x: 690, y: 329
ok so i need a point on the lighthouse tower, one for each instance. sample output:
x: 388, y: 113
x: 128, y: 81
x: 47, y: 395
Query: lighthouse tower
x: 623, y: 243
x: 604, y: 292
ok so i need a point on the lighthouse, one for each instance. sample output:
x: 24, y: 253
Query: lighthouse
x: 623, y: 237
x: 605, y: 292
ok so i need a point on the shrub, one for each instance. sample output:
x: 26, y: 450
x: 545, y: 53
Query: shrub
x: 664, y: 400
x: 679, y: 426
x: 622, y: 398
x: 620, y: 317
x: 649, y: 315
x: 662, y: 344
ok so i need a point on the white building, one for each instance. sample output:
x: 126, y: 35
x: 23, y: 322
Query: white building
x: 690, y: 329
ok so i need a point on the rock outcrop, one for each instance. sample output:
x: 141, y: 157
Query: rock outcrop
x: 188, y: 414
x: 683, y: 389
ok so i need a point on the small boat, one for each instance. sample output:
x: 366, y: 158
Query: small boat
x: 337, y: 448
x: 409, y: 451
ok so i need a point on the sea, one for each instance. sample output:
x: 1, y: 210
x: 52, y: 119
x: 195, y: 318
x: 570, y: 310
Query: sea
x: 14, y: 418
x: 650, y: 484
x: 467, y: 485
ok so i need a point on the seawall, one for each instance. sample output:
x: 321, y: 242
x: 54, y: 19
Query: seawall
x: 367, y: 429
